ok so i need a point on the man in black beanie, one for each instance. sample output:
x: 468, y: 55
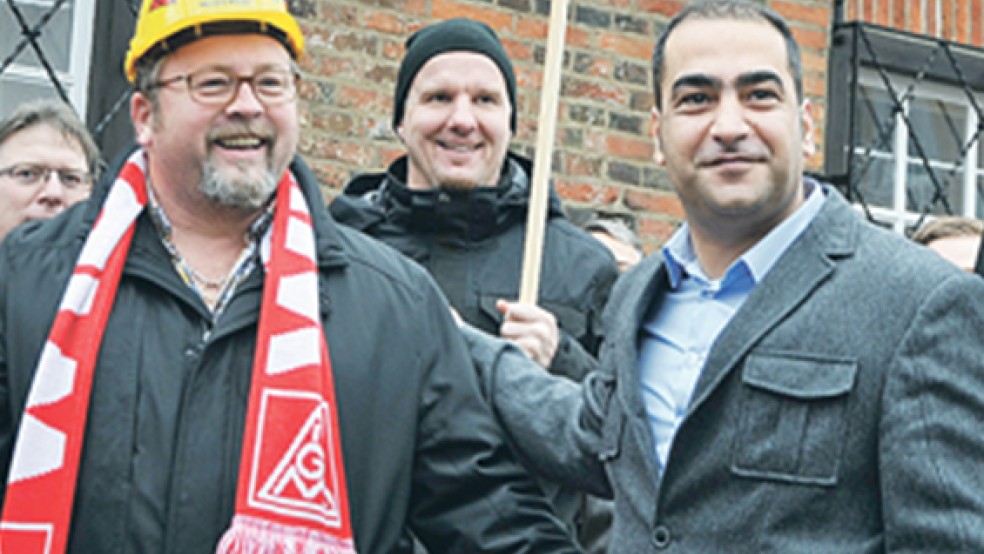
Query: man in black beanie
x: 457, y: 203
x: 453, y: 35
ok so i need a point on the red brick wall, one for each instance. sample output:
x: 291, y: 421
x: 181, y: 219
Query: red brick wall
x: 955, y: 20
x: 603, y: 151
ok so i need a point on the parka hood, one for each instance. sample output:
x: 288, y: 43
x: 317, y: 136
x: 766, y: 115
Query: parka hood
x: 379, y: 199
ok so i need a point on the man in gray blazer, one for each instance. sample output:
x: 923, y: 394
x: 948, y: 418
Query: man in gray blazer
x: 783, y: 376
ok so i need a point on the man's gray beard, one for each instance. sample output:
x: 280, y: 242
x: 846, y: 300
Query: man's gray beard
x: 246, y: 193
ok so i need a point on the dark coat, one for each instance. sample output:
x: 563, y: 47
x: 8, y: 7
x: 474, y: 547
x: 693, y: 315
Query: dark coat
x: 472, y: 244
x: 838, y: 411
x: 162, y: 446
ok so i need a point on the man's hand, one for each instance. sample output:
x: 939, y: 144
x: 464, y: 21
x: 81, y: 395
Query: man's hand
x: 531, y: 328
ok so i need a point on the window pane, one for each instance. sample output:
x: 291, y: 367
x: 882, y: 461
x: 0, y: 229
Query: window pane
x: 875, y: 122
x: 938, y: 127
x: 13, y: 93
x: 874, y: 177
x: 921, y: 192
x: 55, y: 36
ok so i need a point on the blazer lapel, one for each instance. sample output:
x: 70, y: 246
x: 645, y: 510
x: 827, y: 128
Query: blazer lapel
x: 627, y: 319
x: 630, y: 309
x: 808, y: 262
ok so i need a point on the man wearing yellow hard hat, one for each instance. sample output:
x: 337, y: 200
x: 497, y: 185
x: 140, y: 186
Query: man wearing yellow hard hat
x: 225, y: 369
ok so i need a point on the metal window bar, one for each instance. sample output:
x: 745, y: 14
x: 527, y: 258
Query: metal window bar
x: 900, y: 100
x: 30, y: 36
x: 860, y: 157
x: 133, y: 6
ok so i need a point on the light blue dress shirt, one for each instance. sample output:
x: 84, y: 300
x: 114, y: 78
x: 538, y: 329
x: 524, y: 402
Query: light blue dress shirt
x: 677, y: 337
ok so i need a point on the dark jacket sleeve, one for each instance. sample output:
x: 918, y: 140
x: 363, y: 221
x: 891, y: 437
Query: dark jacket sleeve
x: 555, y: 425
x: 577, y: 356
x: 471, y: 495
x: 7, y: 431
x: 572, y: 360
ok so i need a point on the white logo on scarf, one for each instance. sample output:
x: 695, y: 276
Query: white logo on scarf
x: 27, y: 537
x: 303, y: 483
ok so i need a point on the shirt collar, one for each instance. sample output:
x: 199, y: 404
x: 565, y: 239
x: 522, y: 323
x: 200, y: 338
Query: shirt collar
x: 163, y: 225
x: 681, y: 259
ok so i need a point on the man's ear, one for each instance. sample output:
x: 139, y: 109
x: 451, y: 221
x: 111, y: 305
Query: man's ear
x: 142, y: 116
x: 806, y: 121
x: 654, y: 121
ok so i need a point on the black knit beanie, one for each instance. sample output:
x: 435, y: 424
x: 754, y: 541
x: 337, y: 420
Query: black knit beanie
x: 452, y: 35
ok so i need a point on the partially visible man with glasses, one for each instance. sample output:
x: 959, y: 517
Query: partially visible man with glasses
x: 47, y: 162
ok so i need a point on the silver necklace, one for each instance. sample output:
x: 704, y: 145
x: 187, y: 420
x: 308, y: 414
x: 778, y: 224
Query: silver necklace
x: 215, y: 292
x: 211, y: 284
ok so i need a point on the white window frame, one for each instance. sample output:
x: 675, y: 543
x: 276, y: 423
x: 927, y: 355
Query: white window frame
x: 897, y: 215
x: 75, y: 81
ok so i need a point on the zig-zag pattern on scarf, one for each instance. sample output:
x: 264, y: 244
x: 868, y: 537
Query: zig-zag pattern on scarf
x: 291, y: 495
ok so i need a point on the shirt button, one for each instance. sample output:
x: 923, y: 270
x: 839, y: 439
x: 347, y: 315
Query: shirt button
x: 662, y: 537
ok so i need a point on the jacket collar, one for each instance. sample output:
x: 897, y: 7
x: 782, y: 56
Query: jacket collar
x: 807, y: 264
x: 329, y: 243
x: 832, y: 236
x: 371, y: 201
x: 331, y: 252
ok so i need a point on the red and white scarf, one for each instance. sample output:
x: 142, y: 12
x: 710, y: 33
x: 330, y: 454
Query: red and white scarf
x: 291, y: 495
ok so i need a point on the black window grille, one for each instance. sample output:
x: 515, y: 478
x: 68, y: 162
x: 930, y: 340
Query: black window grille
x: 32, y: 36
x: 904, y: 121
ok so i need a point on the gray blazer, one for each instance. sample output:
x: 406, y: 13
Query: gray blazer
x: 839, y: 411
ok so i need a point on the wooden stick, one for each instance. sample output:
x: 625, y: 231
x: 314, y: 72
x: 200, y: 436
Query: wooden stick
x: 546, y: 128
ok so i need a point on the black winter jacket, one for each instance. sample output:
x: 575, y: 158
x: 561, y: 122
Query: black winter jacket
x: 162, y: 446
x: 472, y: 244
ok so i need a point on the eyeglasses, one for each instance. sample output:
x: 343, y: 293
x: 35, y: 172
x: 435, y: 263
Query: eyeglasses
x: 30, y: 175
x: 215, y: 86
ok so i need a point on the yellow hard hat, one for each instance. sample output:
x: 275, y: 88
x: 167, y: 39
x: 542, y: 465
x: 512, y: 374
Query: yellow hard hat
x: 165, y: 25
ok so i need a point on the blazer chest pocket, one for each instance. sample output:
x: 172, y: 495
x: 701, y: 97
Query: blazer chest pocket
x: 792, y: 419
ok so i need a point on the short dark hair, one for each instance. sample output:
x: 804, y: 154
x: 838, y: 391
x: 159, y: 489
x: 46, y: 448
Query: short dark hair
x: 729, y: 9
x: 59, y: 116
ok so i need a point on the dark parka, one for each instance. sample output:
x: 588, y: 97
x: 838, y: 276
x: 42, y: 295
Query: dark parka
x: 472, y: 244
x: 162, y: 446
